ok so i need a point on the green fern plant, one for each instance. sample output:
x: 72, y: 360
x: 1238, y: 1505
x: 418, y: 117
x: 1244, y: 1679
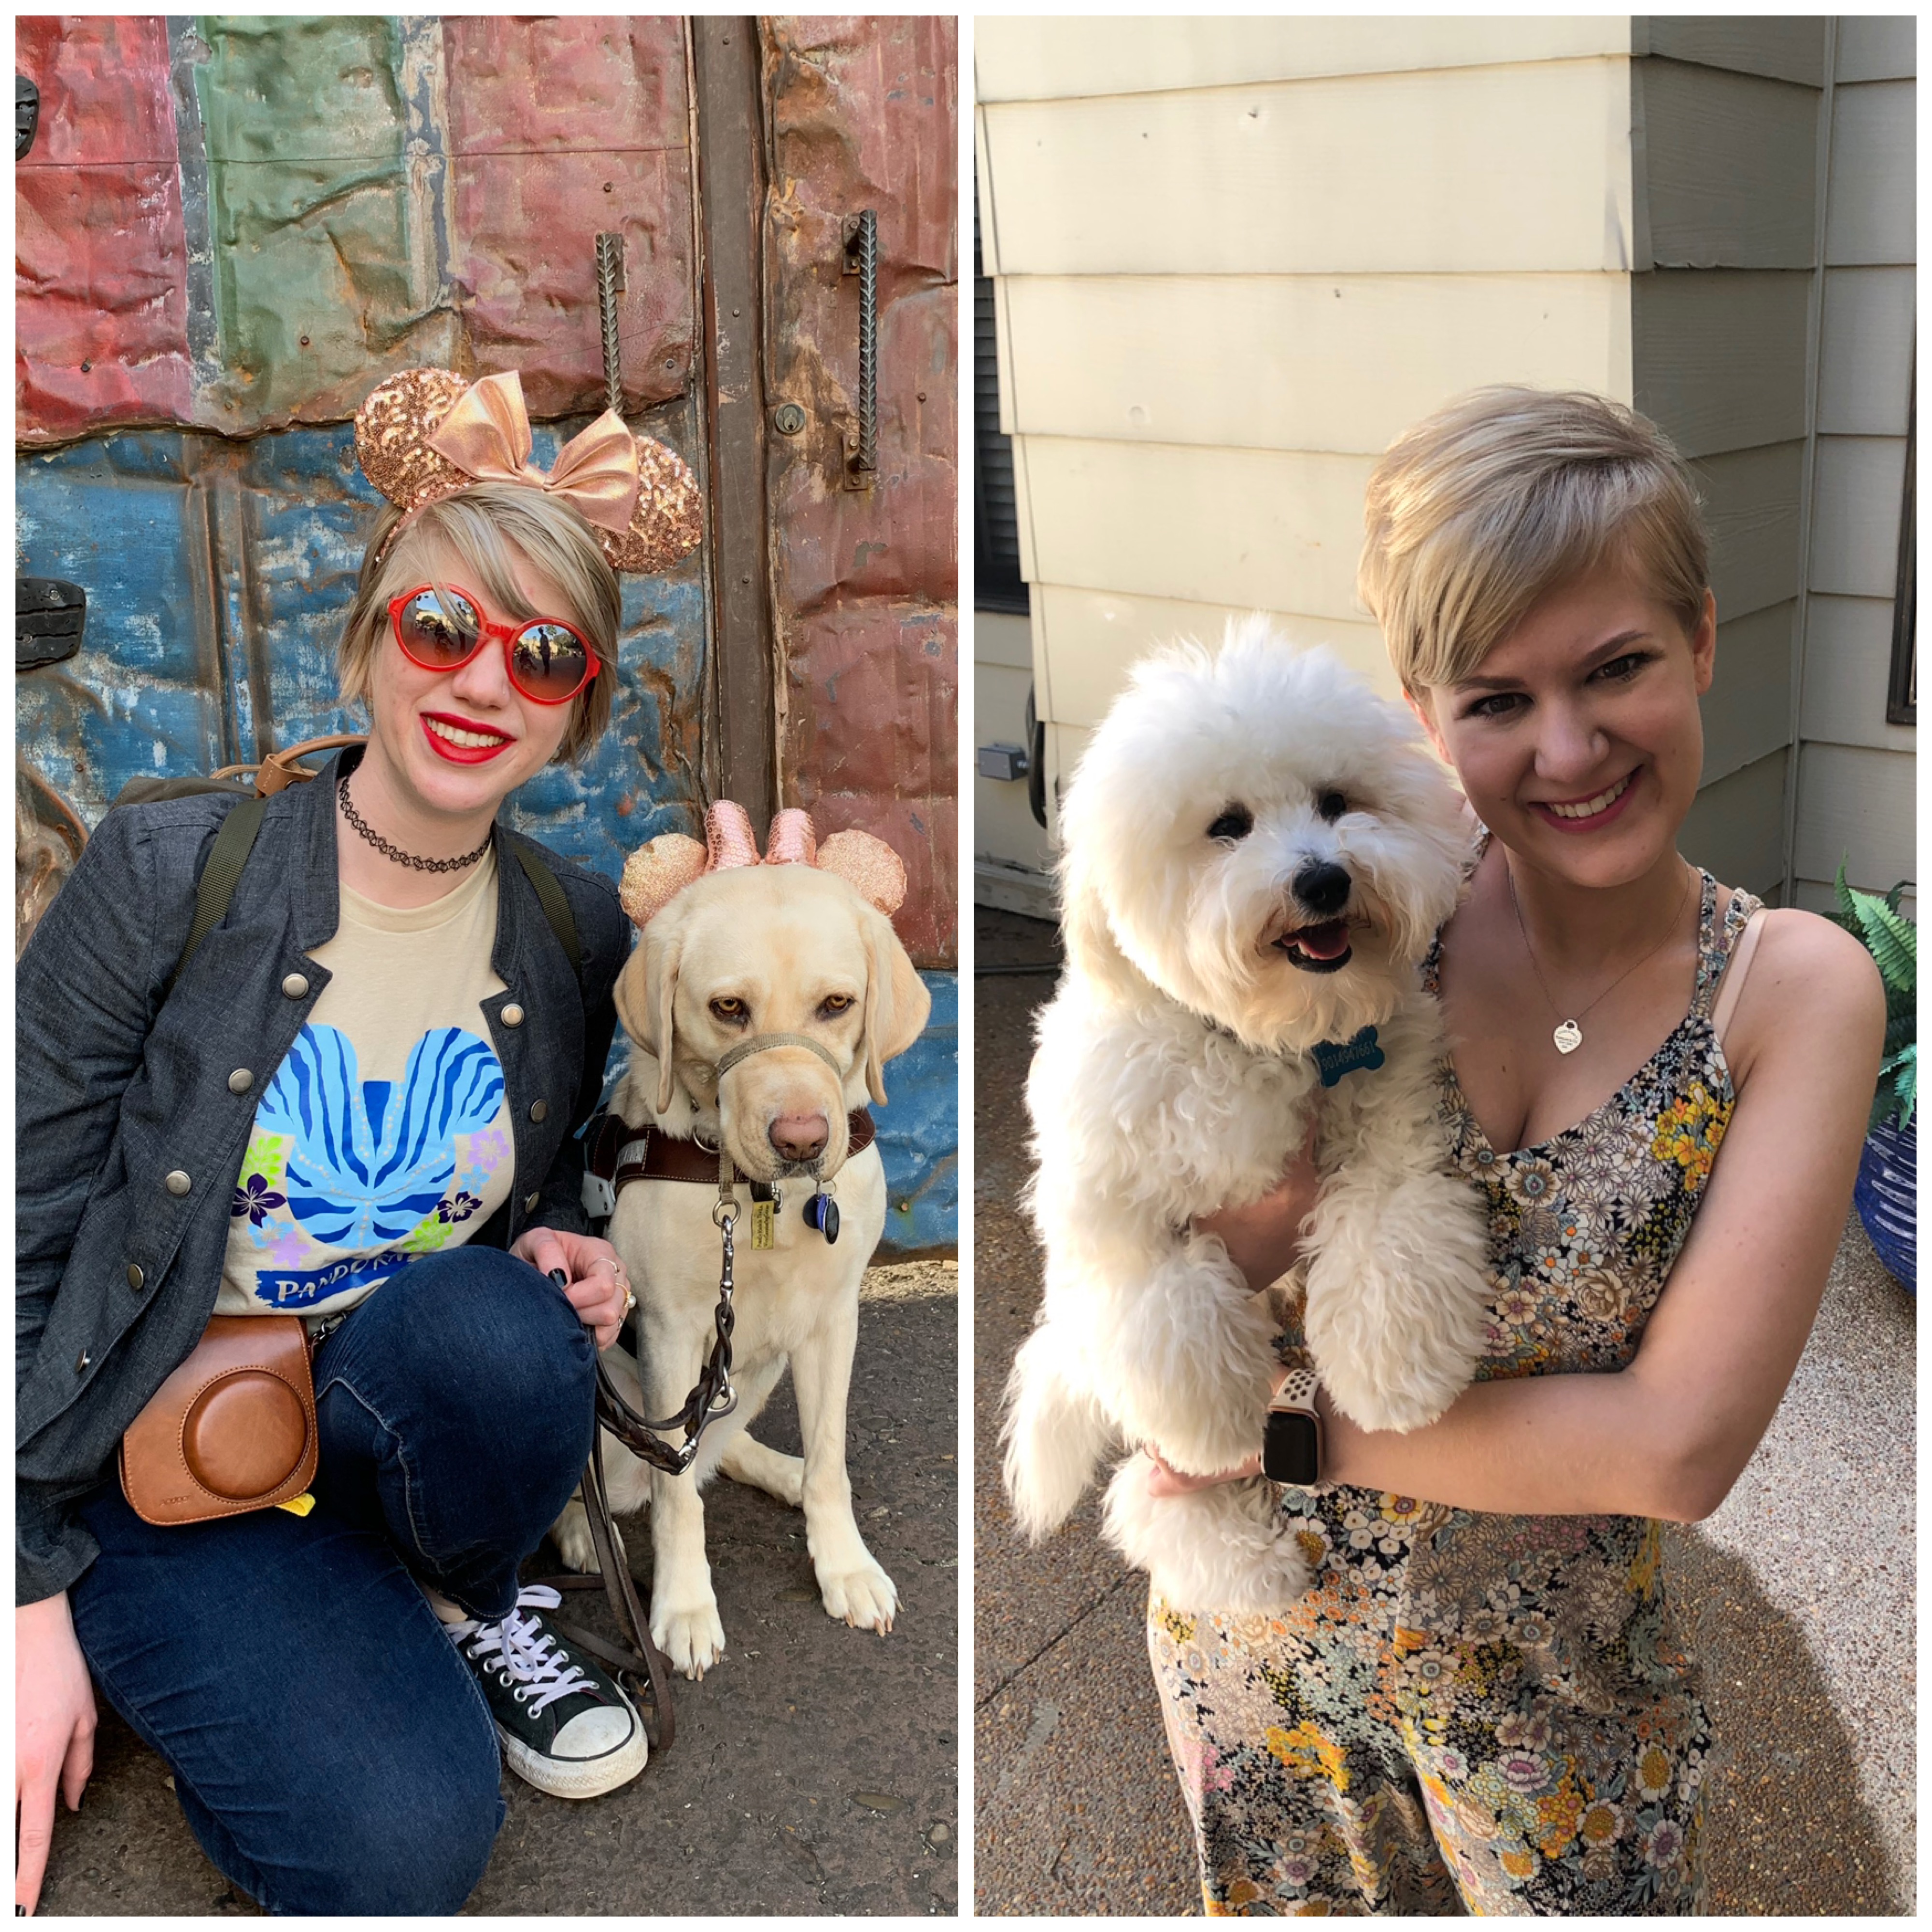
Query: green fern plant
x: 1892, y: 940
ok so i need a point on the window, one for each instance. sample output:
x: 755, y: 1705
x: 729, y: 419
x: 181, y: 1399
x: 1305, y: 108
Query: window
x: 1902, y: 701
x: 996, y: 582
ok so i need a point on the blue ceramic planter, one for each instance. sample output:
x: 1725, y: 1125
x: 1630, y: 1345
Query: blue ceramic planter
x: 1887, y: 1196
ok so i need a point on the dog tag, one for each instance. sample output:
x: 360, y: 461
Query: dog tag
x: 1338, y: 1058
x: 821, y: 1212
x: 764, y: 1224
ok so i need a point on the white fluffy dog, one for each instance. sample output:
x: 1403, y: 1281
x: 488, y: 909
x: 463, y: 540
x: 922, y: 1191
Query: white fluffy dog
x: 1257, y: 852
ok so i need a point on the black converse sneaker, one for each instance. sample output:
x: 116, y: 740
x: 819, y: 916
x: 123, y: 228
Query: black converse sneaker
x: 565, y: 1726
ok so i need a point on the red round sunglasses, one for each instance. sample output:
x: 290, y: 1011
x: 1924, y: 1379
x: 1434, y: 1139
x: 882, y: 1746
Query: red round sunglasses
x: 549, y: 661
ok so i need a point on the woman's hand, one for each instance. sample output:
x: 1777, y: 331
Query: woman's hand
x: 599, y: 1289
x: 53, y: 1733
x: 1264, y: 1240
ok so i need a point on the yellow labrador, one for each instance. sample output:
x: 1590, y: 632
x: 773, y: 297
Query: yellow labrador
x: 766, y: 949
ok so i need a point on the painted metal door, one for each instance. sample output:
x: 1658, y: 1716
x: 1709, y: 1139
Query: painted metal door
x: 229, y: 229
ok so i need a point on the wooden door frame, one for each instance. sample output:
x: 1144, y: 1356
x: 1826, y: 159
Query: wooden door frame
x: 730, y: 189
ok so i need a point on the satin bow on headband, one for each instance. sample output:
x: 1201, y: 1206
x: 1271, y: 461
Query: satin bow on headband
x: 656, y: 874
x: 427, y: 434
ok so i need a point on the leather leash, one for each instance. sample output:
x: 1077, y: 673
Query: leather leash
x: 620, y: 1154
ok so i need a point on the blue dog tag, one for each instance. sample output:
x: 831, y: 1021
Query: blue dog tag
x: 1361, y: 1054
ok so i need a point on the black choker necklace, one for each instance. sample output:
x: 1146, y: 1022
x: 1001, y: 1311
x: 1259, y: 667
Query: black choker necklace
x: 366, y: 831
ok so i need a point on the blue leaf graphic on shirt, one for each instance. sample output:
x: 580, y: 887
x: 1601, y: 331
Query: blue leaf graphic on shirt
x: 372, y: 1158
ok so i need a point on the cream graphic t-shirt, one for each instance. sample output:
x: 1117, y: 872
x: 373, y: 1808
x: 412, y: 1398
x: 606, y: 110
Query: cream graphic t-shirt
x: 385, y: 1135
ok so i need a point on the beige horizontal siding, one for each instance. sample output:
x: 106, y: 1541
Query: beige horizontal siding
x: 1003, y: 637
x: 1782, y: 48
x: 1735, y: 827
x: 1728, y: 168
x: 1002, y: 822
x: 1878, y: 46
x: 1864, y: 379
x: 1873, y: 211
x: 1318, y: 176
x: 1750, y: 506
x: 1860, y: 801
x: 1748, y: 709
x: 1848, y: 674
x: 1045, y: 59
x: 1339, y: 363
x: 1087, y: 639
x: 1718, y: 355
x: 1860, y: 486
x: 1262, y: 529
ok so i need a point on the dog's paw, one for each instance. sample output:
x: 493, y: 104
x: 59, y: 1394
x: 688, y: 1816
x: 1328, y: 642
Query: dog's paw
x: 691, y: 1639
x: 571, y: 1533
x: 780, y: 1476
x: 1398, y: 1394
x: 861, y: 1594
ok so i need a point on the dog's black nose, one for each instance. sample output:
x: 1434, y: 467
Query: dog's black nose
x: 1323, y: 888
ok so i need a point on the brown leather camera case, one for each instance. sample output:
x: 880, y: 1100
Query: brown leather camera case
x: 232, y: 1429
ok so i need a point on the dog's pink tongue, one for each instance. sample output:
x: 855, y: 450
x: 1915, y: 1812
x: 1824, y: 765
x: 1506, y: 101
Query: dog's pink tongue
x: 1325, y: 942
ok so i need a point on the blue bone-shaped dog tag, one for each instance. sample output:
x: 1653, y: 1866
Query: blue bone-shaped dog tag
x: 1361, y: 1054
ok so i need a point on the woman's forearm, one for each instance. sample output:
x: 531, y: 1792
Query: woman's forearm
x: 1535, y: 1445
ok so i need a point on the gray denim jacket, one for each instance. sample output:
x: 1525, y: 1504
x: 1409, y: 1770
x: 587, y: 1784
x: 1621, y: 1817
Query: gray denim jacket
x: 124, y: 1095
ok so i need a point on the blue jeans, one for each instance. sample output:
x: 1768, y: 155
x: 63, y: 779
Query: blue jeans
x: 331, y: 1749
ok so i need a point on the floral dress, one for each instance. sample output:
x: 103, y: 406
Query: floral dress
x: 1470, y: 1712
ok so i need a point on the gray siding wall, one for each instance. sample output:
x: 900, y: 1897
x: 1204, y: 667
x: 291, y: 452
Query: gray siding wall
x: 1855, y: 778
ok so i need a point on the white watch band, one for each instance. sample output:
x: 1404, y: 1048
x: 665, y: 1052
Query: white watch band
x: 1297, y: 1391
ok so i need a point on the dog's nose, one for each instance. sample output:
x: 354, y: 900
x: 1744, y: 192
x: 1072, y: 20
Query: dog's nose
x: 1322, y: 887
x: 798, y: 1136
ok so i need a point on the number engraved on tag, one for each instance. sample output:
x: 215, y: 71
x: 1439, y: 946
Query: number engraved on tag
x: 764, y: 1224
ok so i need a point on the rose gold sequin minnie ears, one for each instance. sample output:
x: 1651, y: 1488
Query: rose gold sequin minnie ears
x: 654, y: 874
x: 427, y: 434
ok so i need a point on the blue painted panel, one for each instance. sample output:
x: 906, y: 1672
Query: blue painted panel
x: 918, y: 1130
x: 120, y: 516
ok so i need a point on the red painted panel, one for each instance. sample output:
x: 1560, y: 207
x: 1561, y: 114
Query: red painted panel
x: 103, y: 87
x: 100, y: 310
x: 872, y: 702
x: 864, y: 115
x: 559, y: 128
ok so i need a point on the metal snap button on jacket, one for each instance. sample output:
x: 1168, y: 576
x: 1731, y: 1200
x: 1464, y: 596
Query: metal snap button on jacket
x: 512, y: 1015
x: 177, y: 1183
x: 135, y: 1276
x: 538, y: 1109
x: 294, y: 986
x: 80, y: 1366
x: 241, y: 1080
x: 530, y: 1203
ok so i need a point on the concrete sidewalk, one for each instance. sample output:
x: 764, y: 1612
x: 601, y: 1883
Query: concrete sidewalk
x: 816, y: 1768
x: 1798, y: 1593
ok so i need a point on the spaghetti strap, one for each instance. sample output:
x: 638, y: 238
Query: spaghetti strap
x: 1733, y: 987
x: 1717, y: 941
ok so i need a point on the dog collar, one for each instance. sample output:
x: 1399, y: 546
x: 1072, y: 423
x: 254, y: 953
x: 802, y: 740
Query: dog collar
x: 1337, y: 1059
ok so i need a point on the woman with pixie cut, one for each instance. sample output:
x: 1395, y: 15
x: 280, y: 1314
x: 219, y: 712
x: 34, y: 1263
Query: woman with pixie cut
x: 356, y: 1106
x: 1483, y: 1705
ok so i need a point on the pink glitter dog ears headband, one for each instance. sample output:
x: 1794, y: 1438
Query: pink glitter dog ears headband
x: 656, y: 874
x: 427, y: 434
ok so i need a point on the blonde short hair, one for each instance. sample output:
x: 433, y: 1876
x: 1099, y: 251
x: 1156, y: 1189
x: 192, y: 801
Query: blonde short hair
x: 1505, y: 495
x: 484, y: 525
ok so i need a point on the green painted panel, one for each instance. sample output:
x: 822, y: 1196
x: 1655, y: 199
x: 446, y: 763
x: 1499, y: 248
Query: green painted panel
x: 325, y: 259
x: 283, y: 88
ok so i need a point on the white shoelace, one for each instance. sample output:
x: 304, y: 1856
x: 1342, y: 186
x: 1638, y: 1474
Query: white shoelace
x: 524, y: 1649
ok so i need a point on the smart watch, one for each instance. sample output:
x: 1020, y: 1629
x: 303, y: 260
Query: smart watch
x: 1291, y: 1443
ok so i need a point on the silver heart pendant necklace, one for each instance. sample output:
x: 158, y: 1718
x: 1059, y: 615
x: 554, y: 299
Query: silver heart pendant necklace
x: 1569, y: 1033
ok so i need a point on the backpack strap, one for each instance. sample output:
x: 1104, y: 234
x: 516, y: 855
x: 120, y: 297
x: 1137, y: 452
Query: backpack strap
x: 556, y: 908
x: 236, y: 840
x: 220, y: 876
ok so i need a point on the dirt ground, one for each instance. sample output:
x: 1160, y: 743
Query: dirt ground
x: 815, y: 1769
x: 1798, y: 1593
